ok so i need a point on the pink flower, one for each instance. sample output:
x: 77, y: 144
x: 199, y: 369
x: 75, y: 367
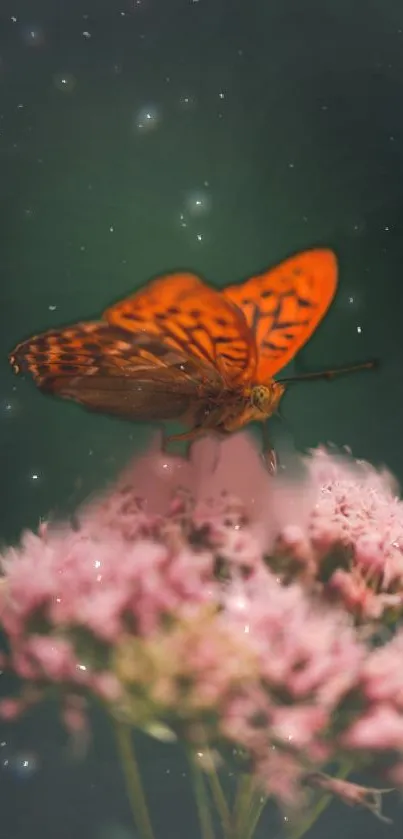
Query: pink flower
x: 204, y: 595
x: 379, y: 729
x: 343, y: 530
x: 212, y: 470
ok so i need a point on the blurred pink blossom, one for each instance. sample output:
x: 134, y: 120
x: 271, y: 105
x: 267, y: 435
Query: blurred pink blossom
x: 205, y: 595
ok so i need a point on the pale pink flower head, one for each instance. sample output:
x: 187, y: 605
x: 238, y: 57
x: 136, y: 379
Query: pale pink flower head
x: 205, y: 593
x: 343, y: 531
x: 214, y: 468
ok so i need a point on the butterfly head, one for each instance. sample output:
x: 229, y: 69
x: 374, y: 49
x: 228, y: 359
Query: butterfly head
x: 265, y: 398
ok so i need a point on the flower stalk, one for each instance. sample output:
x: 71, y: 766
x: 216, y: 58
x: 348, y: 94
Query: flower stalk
x: 134, y: 786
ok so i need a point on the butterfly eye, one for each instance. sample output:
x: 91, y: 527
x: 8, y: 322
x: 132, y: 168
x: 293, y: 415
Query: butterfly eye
x: 261, y: 398
x: 265, y: 398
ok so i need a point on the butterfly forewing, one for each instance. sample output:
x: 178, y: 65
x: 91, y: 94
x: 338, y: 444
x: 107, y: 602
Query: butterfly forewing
x: 187, y: 314
x: 111, y: 371
x: 283, y: 306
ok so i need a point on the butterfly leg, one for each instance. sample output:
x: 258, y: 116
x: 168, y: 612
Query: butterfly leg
x: 269, y: 456
x: 198, y: 431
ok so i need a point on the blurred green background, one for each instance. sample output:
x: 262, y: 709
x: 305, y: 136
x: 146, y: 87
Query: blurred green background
x: 215, y: 135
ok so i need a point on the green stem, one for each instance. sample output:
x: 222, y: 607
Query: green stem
x: 256, y: 811
x: 249, y: 805
x: 302, y: 827
x: 202, y: 802
x: 134, y: 785
x: 243, y: 805
x: 242, y: 799
x: 220, y: 802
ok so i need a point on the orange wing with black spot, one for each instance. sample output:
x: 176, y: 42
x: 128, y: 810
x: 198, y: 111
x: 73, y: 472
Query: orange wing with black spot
x: 109, y: 370
x: 185, y: 313
x: 283, y: 306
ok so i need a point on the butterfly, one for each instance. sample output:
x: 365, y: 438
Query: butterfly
x: 179, y: 349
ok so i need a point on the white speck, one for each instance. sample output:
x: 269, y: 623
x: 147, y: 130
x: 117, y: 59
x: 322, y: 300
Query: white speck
x: 86, y: 34
x: 35, y: 476
x: 351, y: 299
x: 14, y: 18
x: 111, y: 229
x: 198, y: 203
x: 65, y: 82
x: 148, y: 118
x: 291, y: 165
x: 187, y: 101
x: 199, y: 237
x: 359, y: 330
x: 386, y: 228
x: 81, y: 667
x: 33, y: 36
x: 221, y: 94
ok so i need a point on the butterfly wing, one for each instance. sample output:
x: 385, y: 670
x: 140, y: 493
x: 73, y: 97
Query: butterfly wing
x: 283, y: 306
x: 188, y: 315
x: 108, y: 370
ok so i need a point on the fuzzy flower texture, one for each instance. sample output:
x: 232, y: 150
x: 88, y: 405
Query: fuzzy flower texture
x: 236, y: 611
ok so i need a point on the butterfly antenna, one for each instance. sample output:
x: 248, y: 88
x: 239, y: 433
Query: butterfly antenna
x: 331, y: 374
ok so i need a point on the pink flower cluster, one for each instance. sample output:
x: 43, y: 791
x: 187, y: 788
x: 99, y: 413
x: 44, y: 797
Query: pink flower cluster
x: 347, y: 538
x: 203, y: 595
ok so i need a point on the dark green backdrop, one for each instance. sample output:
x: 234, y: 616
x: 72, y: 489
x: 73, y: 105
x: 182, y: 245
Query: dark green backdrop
x: 285, y: 120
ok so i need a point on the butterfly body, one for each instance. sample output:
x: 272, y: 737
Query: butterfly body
x: 181, y: 350
x: 231, y: 410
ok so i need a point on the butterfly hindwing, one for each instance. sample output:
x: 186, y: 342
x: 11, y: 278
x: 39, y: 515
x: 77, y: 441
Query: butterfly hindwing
x: 111, y: 371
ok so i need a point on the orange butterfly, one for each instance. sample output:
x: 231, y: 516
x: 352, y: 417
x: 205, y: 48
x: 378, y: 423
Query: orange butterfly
x: 181, y: 350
